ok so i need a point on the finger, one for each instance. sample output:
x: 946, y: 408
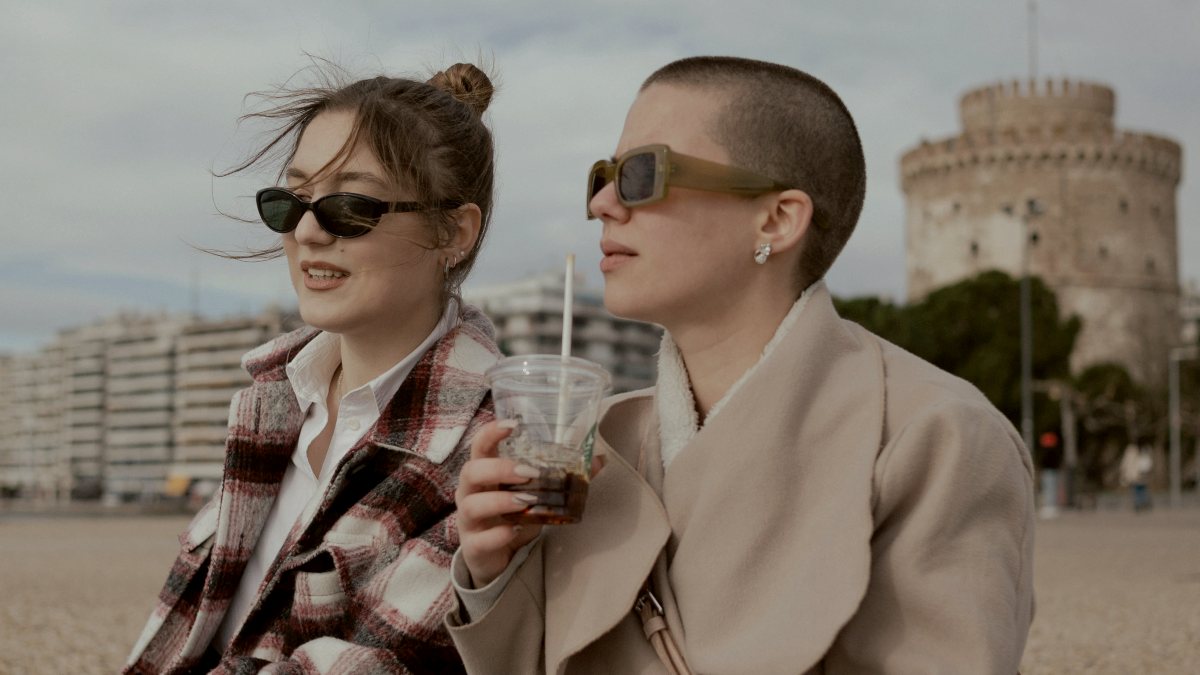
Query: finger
x: 489, y: 436
x: 483, y: 510
x: 503, y: 537
x: 491, y: 473
x: 598, y: 462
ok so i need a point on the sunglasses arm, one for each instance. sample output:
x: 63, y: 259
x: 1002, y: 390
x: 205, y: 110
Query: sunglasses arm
x: 701, y: 174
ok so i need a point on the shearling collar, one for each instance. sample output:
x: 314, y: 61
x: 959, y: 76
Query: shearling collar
x: 675, y: 403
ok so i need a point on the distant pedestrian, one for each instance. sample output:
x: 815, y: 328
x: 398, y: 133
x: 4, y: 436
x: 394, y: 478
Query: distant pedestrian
x: 1135, y: 472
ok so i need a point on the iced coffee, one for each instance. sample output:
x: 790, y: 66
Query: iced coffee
x: 556, y: 403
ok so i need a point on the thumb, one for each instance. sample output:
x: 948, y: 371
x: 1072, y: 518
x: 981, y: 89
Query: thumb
x: 485, y: 442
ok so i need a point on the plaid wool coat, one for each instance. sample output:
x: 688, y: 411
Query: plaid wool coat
x: 362, y: 582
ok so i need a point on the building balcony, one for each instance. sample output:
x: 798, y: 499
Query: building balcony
x: 208, y: 452
x: 145, y: 383
x: 206, y: 359
x: 86, y: 365
x: 150, y: 365
x: 162, y: 400
x: 217, y: 397
x: 190, y: 415
x: 203, y: 435
x: 122, y: 438
x: 243, y: 339
x: 126, y: 456
x: 138, y: 418
x: 85, y: 435
x: 212, y: 378
x: 140, y: 349
x: 91, y: 399
x: 83, y: 417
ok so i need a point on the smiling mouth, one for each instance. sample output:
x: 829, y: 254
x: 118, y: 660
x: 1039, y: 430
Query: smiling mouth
x: 323, y: 274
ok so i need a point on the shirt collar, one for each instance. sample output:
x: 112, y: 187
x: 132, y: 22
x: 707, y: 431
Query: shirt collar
x: 313, y: 366
x: 387, y: 384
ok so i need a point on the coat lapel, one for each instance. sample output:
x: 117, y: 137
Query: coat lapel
x: 595, y: 568
x: 782, y: 478
x: 258, y: 451
x: 440, y: 397
x: 264, y: 426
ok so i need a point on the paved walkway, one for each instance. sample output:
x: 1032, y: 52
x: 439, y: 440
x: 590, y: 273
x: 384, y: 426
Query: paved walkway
x: 1117, y: 593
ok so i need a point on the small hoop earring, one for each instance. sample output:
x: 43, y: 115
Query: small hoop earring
x: 762, y: 253
x: 451, y: 263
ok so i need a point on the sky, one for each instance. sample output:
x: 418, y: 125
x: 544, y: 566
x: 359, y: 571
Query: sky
x: 114, y: 116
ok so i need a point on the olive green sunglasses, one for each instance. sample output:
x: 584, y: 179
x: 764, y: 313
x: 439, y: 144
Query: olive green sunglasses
x: 643, y: 174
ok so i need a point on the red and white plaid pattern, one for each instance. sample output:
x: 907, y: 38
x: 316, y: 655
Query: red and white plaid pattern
x: 363, y: 580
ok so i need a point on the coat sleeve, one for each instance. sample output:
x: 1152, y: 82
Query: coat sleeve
x: 952, y: 552
x: 509, y: 638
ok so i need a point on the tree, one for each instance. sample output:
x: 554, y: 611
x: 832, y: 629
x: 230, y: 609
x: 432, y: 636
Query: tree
x: 1108, y: 402
x: 972, y: 329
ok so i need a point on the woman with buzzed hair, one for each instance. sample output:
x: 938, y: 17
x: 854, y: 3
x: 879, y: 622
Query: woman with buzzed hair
x: 795, y: 494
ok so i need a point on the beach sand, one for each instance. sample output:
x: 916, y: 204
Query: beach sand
x: 1116, y: 593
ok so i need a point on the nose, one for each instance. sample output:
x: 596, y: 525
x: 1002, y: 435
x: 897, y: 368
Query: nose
x: 606, y: 206
x: 308, y: 231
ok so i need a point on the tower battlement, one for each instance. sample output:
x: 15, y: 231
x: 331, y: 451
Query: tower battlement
x: 1058, y: 106
x: 1125, y: 151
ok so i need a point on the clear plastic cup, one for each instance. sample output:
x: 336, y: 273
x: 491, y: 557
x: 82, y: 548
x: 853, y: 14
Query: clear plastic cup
x: 555, y: 403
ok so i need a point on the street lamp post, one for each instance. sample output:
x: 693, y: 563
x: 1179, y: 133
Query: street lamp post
x: 1032, y: 208
x: 1177, y: 354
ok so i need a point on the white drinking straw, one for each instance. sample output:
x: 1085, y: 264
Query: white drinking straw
x: 560, y: 426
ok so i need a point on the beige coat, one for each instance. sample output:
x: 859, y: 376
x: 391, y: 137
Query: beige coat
x: 851, y: 509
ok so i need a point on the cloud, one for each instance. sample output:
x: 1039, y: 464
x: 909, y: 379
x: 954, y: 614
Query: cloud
x: 114, y: 115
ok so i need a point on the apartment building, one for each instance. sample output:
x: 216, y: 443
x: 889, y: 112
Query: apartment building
x: 208, y: 372
x: 528, y: 318
x: 135, y: 407
x: 33, y: 458
x: 139, y: 404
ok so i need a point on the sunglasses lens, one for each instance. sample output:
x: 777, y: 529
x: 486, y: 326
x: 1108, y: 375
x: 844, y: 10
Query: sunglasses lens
x: 347, y: 216
x: 596, y: 182
x: 636, y: 182
x: 280, y: 210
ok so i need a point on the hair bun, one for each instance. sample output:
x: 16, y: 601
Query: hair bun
x: 467, y: 84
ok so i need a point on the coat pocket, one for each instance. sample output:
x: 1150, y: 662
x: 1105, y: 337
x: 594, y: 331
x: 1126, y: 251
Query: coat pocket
x: 320, y: 601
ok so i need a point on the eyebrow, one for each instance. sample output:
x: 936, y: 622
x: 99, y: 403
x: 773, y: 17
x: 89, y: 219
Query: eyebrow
x: 340, y: 177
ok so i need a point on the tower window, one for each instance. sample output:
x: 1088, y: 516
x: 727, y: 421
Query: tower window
x: 1124, y: 206
x: 974, y: 249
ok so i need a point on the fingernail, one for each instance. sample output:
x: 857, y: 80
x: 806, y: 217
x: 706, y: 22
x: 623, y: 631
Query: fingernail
x: 507, y: 424
x: 526, y: 471
x: 525, y: 498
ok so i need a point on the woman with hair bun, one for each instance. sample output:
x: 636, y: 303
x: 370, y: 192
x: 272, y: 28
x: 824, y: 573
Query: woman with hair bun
x: 326, y: 549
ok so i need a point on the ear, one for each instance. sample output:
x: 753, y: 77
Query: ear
x: 468, y: 220
x: 787, y: 220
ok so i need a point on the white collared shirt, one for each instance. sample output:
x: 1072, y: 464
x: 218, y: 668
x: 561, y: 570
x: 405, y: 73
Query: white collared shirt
x: 309, y: 374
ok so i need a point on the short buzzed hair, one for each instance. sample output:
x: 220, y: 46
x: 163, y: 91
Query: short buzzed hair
x: 789, y: 126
